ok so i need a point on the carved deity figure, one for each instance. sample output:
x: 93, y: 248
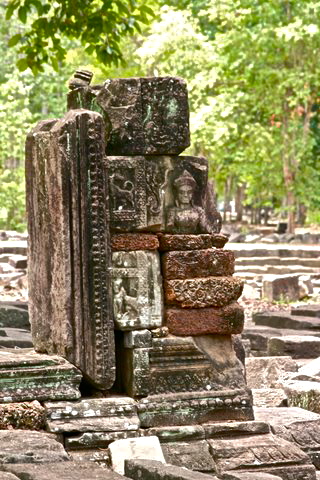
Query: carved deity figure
x: 184, y: 216
x: 124, y: 306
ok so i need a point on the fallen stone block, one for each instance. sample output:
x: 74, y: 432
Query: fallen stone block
x: 178, y: 433
x: 97, y: 440
x: 256, y: 453
x: 269, y: 397
x: 303, y: 394
x: 192, y: 455
x: 63, y: 471
x: 15, y: 337
x: 266, y: 372
x: 92, y: 415
x: 27, y: 446
x: 14, y: 316
x: 26, y: 375
x: 306, y: 310
x: 153, y: 470
x: 297, y: 346
x: 295, y: 425
x: 217, y: 429
x: 249, y: 476
x: 147, y: 448
x: 18, y: 261
x: 286, y: 320
x: 310, y: 371
x: 284, y: 287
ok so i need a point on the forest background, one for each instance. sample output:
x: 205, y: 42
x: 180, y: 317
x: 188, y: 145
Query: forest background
x: 253, y: 74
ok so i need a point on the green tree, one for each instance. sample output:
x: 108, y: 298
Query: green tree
x: 99, y: 25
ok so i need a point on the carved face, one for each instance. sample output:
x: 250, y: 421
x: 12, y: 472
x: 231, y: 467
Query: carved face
x: 117, y: 284
x: 184, y: 195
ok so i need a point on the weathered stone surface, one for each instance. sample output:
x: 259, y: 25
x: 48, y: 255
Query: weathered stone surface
x: 147, y: 448
x: 202, y: 363
x: 303, y: 394
x: 137, y: 290
x: 283, y: 287
x: 203, y: 292
x: 295, y: 425
x: 159, y: 194
x: 63, y: 471
x: 26, y: 375
x: 129, y: 242
x: 297, y: 346
x: 269, y: 397
x: 234, y: 428
x: 221, y: 320
x: 197, y: 263
x: 69, y: 246
x: 256, y: 452
x: 137, y: 339
x: 92, y: 415
x: 24, y: 415
x: 192, y: 455
x: 286, y: 320
x: 192, y: 408
x: 266, y: 372
x: 8, y: 476
x: 178, y: 433
x: 97, y: 440
x: 145, y: 115
x: 27, y: 446
x: 13, y: 316
x: 309, y: 371
x: 153, y: 470
x: 169, y: 242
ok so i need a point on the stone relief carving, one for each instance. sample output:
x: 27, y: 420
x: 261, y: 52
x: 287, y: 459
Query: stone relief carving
x: 137, y: 290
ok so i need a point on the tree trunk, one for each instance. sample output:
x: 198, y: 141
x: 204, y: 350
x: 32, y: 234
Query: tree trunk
x: 239, y: 202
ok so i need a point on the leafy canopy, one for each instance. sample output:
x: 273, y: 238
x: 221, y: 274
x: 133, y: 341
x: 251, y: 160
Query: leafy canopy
x: 99, y: 25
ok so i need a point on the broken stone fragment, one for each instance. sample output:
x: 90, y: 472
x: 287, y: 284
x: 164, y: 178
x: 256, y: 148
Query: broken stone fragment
x: 192, y: 455
x: 23, y: 415
x: 27, y: 446
x: 143, y: 116
x: 26, y: 375
x: 202, y: 292
x: 267, y: 372
x: 134, y: 241
x: 155, y: 470
x: 200, y: 321
x: 147, y: 448
x: 297, y: 346
x: 197, y: 263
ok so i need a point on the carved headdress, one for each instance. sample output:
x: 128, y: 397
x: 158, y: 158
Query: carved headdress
x: 185, y: 179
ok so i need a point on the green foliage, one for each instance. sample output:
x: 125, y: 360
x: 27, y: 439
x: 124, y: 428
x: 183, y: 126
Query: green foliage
x: 99, y: 26
x: 12, y: 199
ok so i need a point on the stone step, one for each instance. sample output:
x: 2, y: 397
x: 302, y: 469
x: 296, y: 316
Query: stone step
x: 274, y: 250
x: 297, y: 346
x: 13, y: 247
x: 276, y: 269
x: 14, y: 315
x: 307, y: 310
x: 286, y: 320
x: 259, y: 336
x: 15, y: 337
x: 306, y: 262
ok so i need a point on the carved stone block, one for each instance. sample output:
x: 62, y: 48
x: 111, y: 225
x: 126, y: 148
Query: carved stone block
x: 185, y: 364
x: 69, y: 246
x: 192, y: 455
x: 109, y: 414
x: 134, y: 241
x: 143, y: 116
x: 135, y: 371
x: 192, y: 408
x: 137, y: 290
x: 200, y: 321
x: 203, y: 292
x: 93, y: 440
x: 168, y: 242
x: 26, y: 375
x: 197, y: 263
x: 138, y: 339
x: 153, y: 470
x: 164, y: 193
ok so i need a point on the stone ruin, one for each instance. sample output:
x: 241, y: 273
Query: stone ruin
x: 129, y: 282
